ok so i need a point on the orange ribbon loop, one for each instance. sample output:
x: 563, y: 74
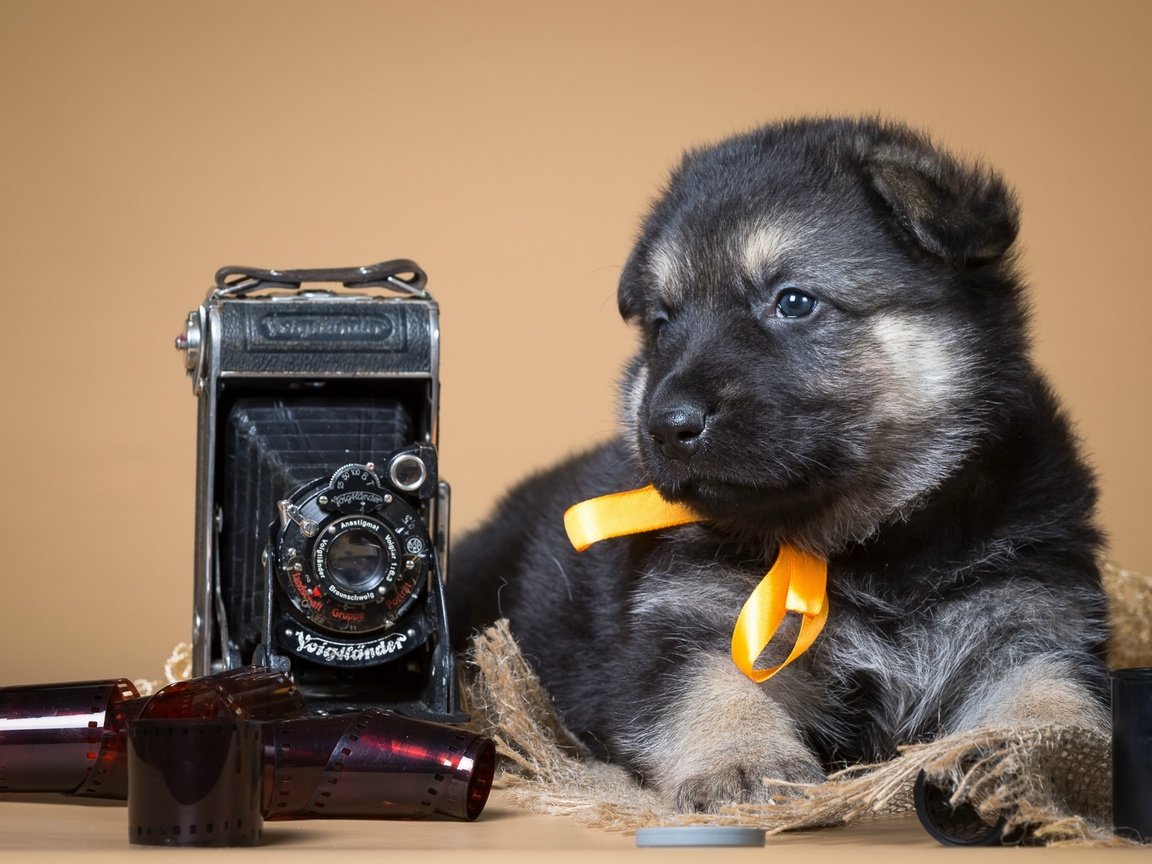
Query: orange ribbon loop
x: 623, y: 513
x: 796, y: 582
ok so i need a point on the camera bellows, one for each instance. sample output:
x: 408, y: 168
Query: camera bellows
x: 373, y: 764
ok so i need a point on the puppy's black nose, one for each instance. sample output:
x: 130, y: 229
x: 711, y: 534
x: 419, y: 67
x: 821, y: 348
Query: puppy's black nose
x: 678, y: 431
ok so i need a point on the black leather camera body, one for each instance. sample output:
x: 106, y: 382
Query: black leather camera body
x: 321, y: 520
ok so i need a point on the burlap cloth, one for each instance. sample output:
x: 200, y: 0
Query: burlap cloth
x: 1055, y: 779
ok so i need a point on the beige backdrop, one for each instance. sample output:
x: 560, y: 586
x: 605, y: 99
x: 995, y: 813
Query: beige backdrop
x: 510, y: 149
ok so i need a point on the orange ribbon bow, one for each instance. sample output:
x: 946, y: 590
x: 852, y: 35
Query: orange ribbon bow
x: 796, y: 582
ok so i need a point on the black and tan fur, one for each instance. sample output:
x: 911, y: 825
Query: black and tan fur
x: 833, y: 354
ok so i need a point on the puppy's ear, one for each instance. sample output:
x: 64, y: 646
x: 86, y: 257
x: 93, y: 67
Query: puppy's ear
x: 964, y: 214
x: 630, y: 294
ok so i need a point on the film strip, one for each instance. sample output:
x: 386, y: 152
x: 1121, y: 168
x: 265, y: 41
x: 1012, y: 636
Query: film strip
x: 58, y: 737
x: 373, y: 764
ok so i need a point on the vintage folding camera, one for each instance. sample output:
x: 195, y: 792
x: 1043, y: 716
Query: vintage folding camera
x: 321, y: 521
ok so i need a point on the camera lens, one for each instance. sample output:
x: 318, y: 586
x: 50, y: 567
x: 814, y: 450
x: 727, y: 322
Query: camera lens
x: 356, y: 573
x: 356, y: 561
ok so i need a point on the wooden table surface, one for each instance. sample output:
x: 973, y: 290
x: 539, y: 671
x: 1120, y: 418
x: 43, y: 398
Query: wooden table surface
x: 45, y: 828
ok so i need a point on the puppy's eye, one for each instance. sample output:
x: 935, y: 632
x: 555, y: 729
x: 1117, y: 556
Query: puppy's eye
x: 656, y: 327
x: 794, y: 304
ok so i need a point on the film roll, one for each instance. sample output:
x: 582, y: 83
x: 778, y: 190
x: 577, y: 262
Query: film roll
x: 374, y: 764
x: 66, y: 738
x: 250, y: 692
x: 194, y: 782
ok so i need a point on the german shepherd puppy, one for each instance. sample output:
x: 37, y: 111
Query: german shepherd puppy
x: 833, y: 354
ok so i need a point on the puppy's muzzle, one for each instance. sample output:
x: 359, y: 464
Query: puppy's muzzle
x: 678, y: 431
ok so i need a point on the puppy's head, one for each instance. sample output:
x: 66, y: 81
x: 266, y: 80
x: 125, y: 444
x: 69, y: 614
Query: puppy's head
x: 828, y: 318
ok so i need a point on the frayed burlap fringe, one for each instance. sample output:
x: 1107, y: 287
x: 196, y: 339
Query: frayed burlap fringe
x: 178, y: 667
x: 1130, y: 602
x: 1056, y: 780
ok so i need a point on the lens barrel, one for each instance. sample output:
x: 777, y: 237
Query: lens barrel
x: 357, y: 561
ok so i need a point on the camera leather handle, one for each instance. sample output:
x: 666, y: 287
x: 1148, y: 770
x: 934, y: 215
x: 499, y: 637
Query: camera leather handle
x: 399, y: 274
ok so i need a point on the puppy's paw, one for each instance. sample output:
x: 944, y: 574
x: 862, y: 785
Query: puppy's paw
x: 733, y: 781
x: 720, y: 739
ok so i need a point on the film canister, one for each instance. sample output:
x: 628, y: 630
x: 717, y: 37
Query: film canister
x: 1132, y: 753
